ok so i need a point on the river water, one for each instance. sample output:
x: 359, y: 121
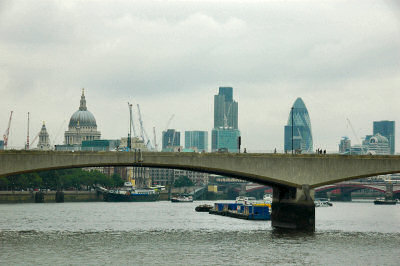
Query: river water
x: 164, y: 233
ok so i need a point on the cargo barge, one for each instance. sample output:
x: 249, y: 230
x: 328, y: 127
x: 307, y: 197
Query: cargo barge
x: 251, y: 211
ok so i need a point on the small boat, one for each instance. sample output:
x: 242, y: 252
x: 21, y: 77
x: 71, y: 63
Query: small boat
x: 182, y: 198
x: 267, y: 199
x: 383, y: 201
x: 203, y: 208
x: 322, y: 203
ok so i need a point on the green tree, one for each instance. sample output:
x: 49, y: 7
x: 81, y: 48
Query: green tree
x: 117, y: 180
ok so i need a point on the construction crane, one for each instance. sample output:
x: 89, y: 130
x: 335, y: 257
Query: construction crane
x: 7, y: 133
x: 168, y: 123
x: 131, y: 123
x: 155, y: 139
x: 27, y: 136
x: 143, y: 133
x: 355, y: 135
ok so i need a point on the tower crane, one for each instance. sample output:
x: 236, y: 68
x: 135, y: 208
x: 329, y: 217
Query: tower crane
x: 155, y: 139
x: 355, y: 135
x: 27, y: 136
x: 143, y: 132
x: 7, y: 132
x: 132, y: 124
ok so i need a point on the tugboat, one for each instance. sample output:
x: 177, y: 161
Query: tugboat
x: 384, y: 201
x: 388, y: 199
x: 203, y: 208
x: 182, y: 198
x: 128, y: 193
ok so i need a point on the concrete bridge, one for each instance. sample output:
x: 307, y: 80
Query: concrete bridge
x: 293, y: 177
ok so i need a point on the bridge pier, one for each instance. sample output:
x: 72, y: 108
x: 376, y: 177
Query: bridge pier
x: 293, y: 208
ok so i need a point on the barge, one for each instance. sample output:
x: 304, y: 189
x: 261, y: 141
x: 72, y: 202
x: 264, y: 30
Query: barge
x: 250, y: 211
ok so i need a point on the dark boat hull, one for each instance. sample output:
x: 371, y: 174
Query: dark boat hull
x: 114, y: 197
x: 385, y: 202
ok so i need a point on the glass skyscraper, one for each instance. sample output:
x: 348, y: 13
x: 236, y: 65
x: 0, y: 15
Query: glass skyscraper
x: 225, y: 133
x: 301, y: 128
x: 386, y: 129
x: 198, y: 139
x: 225, y: 139
x: 225, y: 109
x: 171, y: 138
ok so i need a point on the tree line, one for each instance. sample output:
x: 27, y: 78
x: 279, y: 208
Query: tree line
x: 67, y: 179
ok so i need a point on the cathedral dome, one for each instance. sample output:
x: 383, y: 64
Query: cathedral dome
x: 82, y: 117
x: 85, y: 119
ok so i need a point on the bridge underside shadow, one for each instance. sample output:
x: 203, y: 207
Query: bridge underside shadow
x: 293, y: 208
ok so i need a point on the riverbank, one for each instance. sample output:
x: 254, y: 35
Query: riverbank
x: 50, y: 196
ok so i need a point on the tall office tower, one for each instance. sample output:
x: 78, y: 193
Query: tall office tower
x: 225, y: 109
x: 345, y: 145
x: 196, y: 139
x: 298, y: 126
x: 170, y: 139
x: 225, y: 133
x: 386, y: 129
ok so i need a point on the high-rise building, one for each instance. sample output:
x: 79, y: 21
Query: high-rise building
x: 225, y: 109
x: 298, y: 128
x: 196, y: 139
x: 386, y: 129
x: 171, y: 139
x: 225, y: 139
x: 225, y: 135
x: 44, y: 141
x: 345, y: 145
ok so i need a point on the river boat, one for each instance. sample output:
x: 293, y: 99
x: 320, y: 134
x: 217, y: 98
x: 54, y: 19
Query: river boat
x: 251, y: 211
x: 203, y: 208
x: 128, y: 194
x: 383, y: 201
x: 182, y: 198
x: 322, y: 203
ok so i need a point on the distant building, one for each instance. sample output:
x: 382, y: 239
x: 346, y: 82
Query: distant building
x: 100, y: 145
x: 164, y: 177
x: 44, y: 140
x: 1, y: 145
x: 82, y: 126
x: 225, y: 109
x: 136, y: 143
x: 225, y: 135
x: 196, y: 139
x: 225, y: 139
x: 345, y: 145
x: 300, y: 128
x: 378, y: 144
x: 171, y: 139
x: 386, y: 129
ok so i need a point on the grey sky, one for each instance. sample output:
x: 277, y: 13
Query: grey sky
x: 341, y: 57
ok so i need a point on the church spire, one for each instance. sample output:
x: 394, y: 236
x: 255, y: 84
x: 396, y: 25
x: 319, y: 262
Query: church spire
x: 83, y: 107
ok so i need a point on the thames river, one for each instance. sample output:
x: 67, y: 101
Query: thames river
x: 164, y: 233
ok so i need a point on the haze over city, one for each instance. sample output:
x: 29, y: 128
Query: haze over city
x: 341, y: 58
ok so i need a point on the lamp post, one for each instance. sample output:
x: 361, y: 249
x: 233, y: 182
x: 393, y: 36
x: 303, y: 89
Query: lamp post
x: 292, y: 128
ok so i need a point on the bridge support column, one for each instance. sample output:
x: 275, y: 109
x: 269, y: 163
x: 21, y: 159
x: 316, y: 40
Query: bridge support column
x: 293, y: 208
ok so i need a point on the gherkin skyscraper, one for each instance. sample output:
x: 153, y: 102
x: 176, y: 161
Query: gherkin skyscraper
x: 299, y: 126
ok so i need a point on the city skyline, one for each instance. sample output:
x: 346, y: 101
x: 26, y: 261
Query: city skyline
x: 341, y: 66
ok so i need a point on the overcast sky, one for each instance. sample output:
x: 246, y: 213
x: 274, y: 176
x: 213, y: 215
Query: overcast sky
x: 341, y: 57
